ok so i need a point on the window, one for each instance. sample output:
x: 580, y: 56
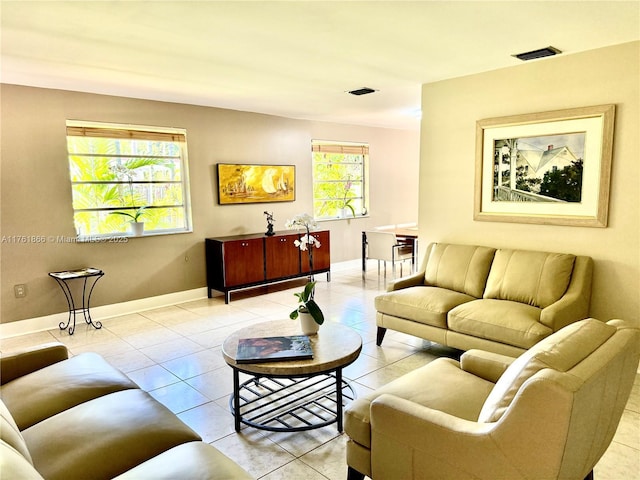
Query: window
x: 339, y: 179
x: 119, y: 172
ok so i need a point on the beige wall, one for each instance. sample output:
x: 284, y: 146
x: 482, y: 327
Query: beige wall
x: 36, y: 194
x: 450, y: 111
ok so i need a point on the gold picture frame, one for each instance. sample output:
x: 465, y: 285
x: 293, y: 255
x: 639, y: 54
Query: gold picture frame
x: 246, y: 183
x: 550, y: 168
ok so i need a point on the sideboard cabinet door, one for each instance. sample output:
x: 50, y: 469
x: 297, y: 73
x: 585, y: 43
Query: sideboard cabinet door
x: 243, y: 262
x: 321, y: 256
x: 282, y: 257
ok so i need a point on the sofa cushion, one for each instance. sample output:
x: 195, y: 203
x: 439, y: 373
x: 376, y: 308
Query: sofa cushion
x: 560, y: 351
x: 428, y: 305
x: 104, y: 437
x: 534, y: 278
x: 13, y: 465
x: 463, y: 268
x: 193, y: 460
x: 441, y: 385
x: 60, y: 386
x: 10, y: 433
x: 501, y: 321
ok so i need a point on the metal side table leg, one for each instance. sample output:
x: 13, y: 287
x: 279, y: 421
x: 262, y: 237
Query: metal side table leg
x: 236, y: 399
x: 339, y: 398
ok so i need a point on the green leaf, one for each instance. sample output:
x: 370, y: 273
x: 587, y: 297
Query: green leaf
x: 123, y: 213
x: 135, y: 216
x: 308, y: 291
x: 315, y: 312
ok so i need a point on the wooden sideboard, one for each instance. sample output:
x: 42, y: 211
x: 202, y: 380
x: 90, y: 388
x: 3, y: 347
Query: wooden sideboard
x: 243, y: 261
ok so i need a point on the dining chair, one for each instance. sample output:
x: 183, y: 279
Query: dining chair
x: 384, y: 246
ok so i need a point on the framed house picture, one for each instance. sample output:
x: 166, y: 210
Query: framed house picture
x: 243, y: 183
x: 546, y: 168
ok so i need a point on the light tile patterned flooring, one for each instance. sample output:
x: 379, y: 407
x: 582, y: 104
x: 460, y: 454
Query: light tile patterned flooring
x: 174, y: 354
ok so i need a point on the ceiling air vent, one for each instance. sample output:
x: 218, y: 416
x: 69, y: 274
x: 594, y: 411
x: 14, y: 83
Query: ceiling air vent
x: 362, y: 91
x: 543, y: 52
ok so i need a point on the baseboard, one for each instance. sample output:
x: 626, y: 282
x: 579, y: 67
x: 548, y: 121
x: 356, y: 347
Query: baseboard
x: 39, y: 324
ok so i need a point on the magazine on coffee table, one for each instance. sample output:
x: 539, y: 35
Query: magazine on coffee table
x: 274, y: 349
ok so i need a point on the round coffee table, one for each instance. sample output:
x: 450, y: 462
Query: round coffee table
x: 293, y: 395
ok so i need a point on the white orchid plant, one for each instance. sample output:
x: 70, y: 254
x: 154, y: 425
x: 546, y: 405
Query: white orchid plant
x: 347, y: 198
x: 122, y: 171
x: 307, y: 243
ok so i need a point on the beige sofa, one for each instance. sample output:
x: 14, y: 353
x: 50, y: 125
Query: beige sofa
x: 79, y: 418
x: 549, y: 414
x: 500, y: 300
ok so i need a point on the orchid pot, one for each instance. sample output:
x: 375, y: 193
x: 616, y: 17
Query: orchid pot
x: 308, y: 325
x: 137, y: 228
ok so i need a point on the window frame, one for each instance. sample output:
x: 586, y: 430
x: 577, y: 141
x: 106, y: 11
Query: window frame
x: 116, y: 132
x: 343, y: 148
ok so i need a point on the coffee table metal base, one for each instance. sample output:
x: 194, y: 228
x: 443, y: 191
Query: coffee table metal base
x: 290, y: 404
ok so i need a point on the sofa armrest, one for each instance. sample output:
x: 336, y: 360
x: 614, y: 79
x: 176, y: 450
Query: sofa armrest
x: 406, y: 282
x: 487, y: 365
x: 574, y: 304
x: 21, y: 363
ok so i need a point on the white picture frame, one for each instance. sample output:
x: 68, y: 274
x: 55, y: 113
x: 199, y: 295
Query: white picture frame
x: 511, y: 166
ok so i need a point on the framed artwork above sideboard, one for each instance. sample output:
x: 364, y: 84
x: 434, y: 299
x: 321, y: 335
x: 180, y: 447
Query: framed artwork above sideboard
x: 245, y: 183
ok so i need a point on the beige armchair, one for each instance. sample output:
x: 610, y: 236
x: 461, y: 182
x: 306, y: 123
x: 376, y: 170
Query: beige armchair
x: 549, y: 414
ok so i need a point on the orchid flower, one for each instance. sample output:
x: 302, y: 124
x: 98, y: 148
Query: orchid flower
x: 306, y: 240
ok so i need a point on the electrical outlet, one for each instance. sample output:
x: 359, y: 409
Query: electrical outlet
x: 20, y: 290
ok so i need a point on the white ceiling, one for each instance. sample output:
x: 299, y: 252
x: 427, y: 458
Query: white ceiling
x: 291, y: 58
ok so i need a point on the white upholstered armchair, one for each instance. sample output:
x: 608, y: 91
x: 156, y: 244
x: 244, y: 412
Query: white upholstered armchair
x: 549, y: 414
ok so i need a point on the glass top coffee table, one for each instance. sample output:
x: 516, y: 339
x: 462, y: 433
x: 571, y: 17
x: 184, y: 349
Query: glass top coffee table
x: 293, y: 395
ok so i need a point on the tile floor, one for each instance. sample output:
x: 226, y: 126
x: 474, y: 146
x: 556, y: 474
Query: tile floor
x: 174, y: 354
